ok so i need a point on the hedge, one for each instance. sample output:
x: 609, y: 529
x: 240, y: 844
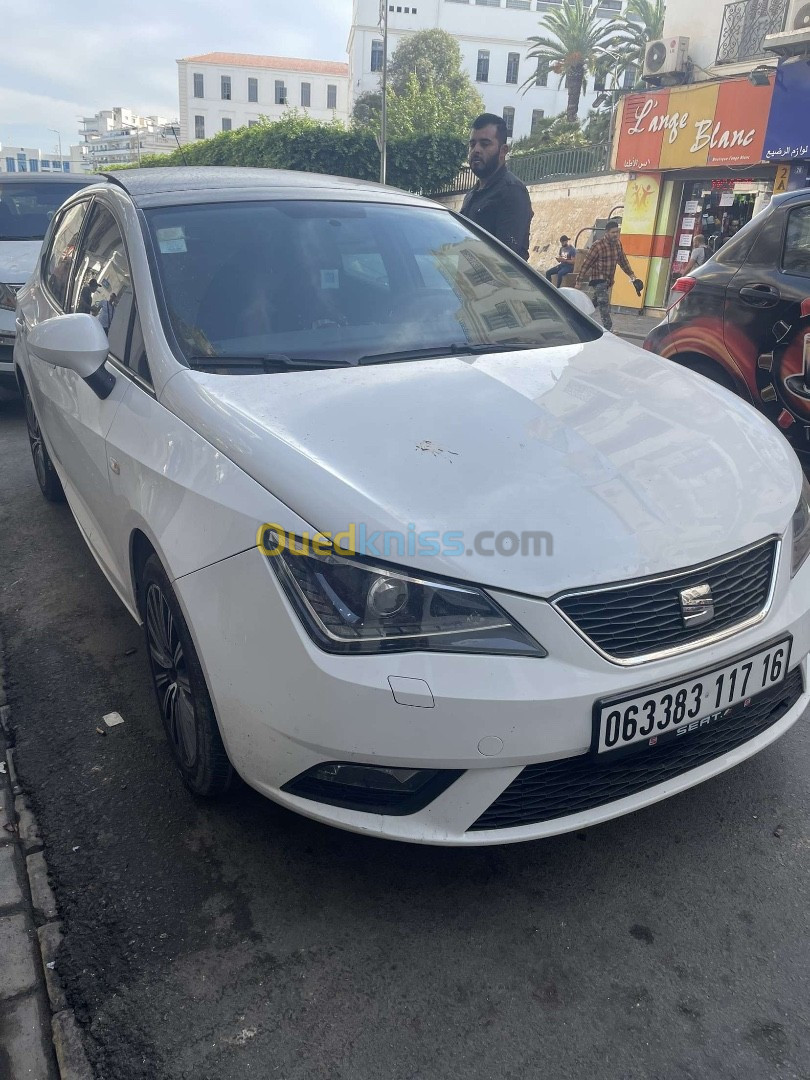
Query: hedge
x: 422, y: 163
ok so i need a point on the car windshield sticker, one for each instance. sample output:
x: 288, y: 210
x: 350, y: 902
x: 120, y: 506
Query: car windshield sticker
x: 172, y: 241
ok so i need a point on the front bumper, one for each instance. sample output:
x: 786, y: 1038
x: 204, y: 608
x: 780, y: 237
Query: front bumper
x: 285, y: 706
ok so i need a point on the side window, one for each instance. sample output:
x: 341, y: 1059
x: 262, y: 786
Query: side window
x: 101, y: 283
x: 59, y: 260
x: 765, y: 249
x: 796, y: 255
x: 136, y: 358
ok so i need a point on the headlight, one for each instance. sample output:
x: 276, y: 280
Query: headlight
x: 801, y: 529
x: 352, y: 605
x: 8, y: 298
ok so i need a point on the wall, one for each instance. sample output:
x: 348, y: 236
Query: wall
x: 565, y: 207
x: 500, y: 30
x: 702, y: 22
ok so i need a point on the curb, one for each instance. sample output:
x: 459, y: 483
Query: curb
x: 55, y: 1026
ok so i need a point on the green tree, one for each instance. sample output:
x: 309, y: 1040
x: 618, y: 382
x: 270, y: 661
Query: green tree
x: 429, y: 63
x: 642, y: 22
x: 424, y: 108
x: 550, y: 133
x: 575, y: 49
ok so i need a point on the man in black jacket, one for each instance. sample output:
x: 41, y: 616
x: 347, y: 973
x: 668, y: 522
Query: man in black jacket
x: 499, y: 202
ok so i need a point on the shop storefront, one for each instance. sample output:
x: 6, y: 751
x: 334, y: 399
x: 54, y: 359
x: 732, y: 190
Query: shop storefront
x: 704, y: 159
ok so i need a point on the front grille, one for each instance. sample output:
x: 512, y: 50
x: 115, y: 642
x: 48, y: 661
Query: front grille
x: 555, y: 789
x: 628, y: 621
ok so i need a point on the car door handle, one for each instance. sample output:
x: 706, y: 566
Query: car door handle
x: 760, y: 295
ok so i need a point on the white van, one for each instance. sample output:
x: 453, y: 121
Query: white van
x: 28, y: 201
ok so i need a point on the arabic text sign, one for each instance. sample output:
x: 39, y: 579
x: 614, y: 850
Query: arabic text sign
x: 707, y: 124
x: 788, y: 134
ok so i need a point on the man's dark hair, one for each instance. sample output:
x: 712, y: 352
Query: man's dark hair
x: 487, y: 118
x: 614, y: 223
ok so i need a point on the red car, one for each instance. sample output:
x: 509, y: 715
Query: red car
x: 743, y: 318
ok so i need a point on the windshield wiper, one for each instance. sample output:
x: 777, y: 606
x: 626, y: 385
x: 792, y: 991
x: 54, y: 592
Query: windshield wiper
x: 267, y: 362
x: 451, y: 349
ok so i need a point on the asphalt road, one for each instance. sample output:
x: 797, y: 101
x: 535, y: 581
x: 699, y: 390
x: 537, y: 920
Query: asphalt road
x: 224, y: 941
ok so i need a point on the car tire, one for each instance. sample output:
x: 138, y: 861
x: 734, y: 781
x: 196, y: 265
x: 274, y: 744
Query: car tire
x: 710, y: 369
x: 49, y: 483
x: 185, y: 705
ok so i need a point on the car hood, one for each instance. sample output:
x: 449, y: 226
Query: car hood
x: 17, y: 260
x: 630, y: 464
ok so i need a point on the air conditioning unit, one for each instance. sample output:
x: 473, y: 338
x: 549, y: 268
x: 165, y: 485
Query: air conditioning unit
x: 666, y: 57
x: 795, y: 39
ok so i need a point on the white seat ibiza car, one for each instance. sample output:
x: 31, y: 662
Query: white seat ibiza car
x: 420, y: 550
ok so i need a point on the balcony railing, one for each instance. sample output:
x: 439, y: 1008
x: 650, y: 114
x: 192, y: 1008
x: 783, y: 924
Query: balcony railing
x: 745, y: 26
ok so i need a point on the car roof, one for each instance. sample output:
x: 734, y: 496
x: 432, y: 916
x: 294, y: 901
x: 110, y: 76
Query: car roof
x: 178, y: 184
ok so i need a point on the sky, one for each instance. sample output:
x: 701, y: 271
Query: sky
x: 62, y: 61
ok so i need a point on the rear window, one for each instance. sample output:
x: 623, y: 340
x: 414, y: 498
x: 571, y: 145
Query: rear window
x: 342, y: 280
x: 26, y: 209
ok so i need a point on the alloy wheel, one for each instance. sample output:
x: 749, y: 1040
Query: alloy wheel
x: 171, y: 677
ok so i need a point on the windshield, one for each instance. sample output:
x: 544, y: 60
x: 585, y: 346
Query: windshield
x: 344, y: 282
x: 27, y: 208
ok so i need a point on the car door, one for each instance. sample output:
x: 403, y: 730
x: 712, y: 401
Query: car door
x: 766, y: 317
x: 74, y: 417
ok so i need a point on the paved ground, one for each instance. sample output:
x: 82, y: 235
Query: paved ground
x: 226, y: 942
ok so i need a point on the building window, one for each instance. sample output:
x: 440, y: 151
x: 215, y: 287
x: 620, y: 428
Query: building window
x: 482, y: 69
x: 331, y: 96
x: 11, y: 164
x: 225, y: 82
x: 376, y: 55
x: 253, y: 89
x: 281, y: 92
x: 537, y: 116
x: 509, y: 120
x: 22, y: 163
x: 522, y: 5
x: 629, y: 78
x: 199, y: 127
x: 46, y: 165
x: 541, y: 78
x: 65, y: 166
x: 33, y: 164
x: 227, y: 123
x: 608, y: 9
x: 488, y: 3
x: 253, y: 123
x: 57, y: 165
x: 306, y: 94
x: 199, y: 85
x: 512, y: 65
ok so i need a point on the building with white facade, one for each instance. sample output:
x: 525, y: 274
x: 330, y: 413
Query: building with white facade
x: 26, y: 159
x: 493, y: 36
x: 121, y: 137
x: 223, y: 91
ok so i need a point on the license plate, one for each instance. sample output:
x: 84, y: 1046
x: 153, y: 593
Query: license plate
x: 657, y: 714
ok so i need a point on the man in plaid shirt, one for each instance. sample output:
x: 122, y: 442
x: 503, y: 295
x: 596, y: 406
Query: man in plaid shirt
x: 599, y: 269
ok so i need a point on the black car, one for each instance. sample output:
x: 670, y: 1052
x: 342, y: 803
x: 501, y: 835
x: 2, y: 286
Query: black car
x: 743, y: 318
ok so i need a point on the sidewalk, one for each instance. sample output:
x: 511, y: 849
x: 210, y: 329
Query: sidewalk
x: 633, y: 327
x: 39, y: 1039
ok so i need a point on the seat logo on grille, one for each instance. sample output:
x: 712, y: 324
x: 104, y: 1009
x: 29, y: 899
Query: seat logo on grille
x: 697, y: 606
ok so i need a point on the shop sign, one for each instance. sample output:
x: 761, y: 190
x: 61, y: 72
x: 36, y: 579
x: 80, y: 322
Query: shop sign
x: 707, y: 124
x: 788, y: 135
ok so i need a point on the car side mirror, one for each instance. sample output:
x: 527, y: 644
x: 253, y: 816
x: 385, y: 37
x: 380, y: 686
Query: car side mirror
x: 578, y: 298
x: 78, y: 343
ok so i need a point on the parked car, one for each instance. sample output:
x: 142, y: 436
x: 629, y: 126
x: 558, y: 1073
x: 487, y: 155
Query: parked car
x: 28, y: 201
x: 743, y: 318
x: 419, y: 549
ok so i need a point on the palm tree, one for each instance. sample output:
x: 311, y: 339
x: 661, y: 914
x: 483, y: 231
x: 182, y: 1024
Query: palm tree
x: 642, y: 22
x: 573, y: 51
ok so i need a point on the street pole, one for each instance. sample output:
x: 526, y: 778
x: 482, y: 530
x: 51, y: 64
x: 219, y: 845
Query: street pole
x: 59, y: 137
x: 384, y: 89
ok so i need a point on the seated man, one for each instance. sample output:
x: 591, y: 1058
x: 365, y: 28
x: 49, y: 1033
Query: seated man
x: 565, y: 265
